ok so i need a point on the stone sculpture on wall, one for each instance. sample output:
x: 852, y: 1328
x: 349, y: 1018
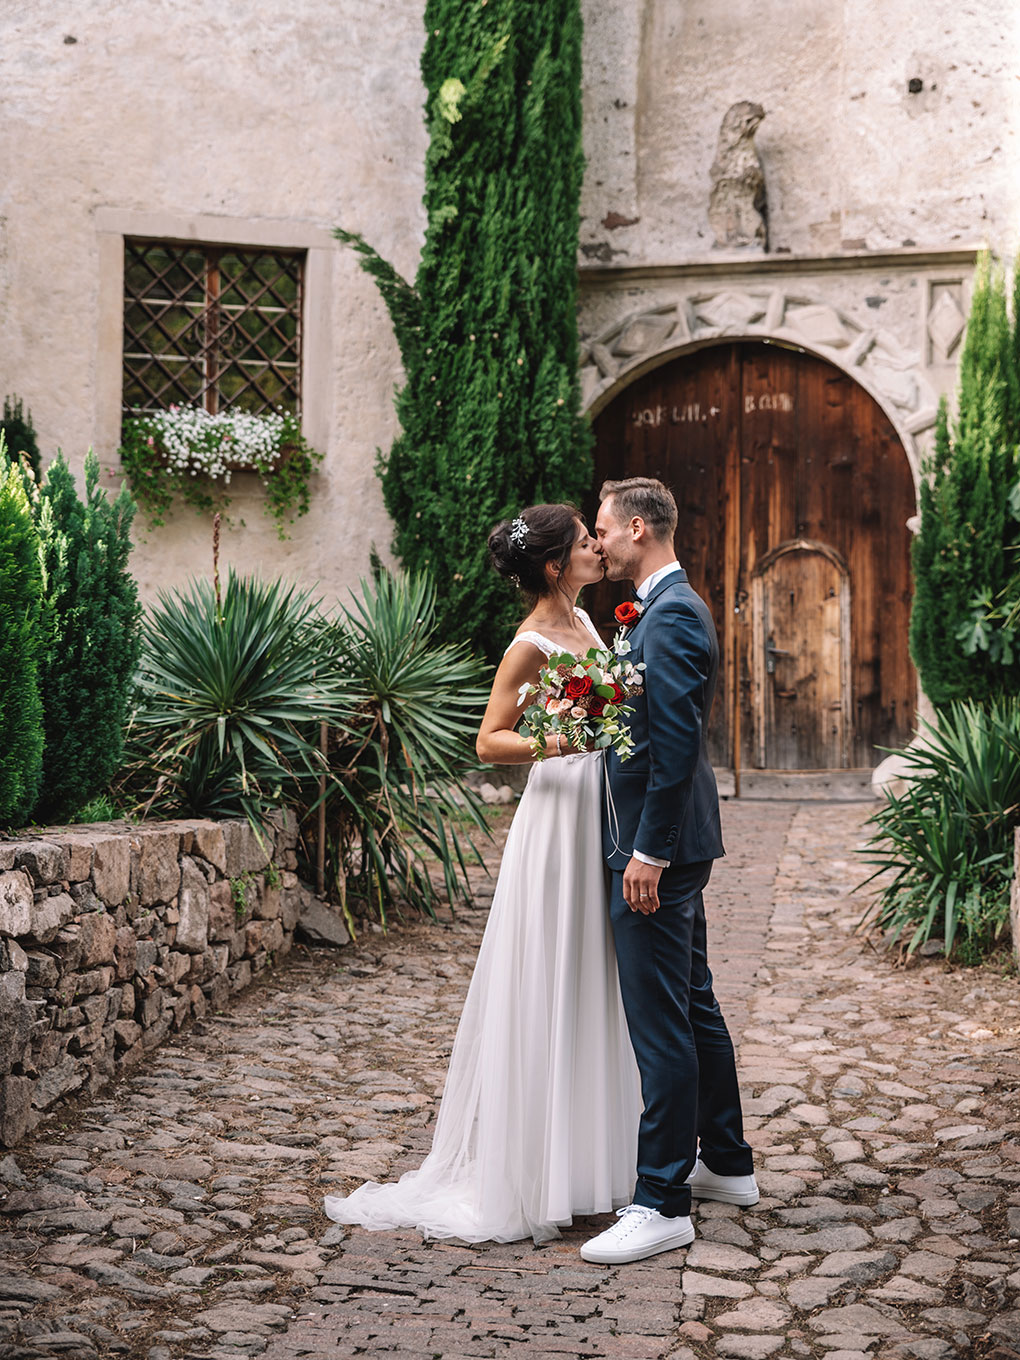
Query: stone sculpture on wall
x: 737, y: 210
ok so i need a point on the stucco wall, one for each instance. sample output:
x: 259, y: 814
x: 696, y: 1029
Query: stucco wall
x: 256, y: 122
x: 294, y: 117
x: 852, y: 159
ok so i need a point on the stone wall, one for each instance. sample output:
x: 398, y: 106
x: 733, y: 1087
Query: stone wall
x: 111, y: 937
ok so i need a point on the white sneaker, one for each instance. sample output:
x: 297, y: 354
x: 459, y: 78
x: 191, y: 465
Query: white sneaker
x: 640, y: 1232
x: 706, y: 1184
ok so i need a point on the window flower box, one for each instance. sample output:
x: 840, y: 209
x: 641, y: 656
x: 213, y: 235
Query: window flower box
x: 187, y: 453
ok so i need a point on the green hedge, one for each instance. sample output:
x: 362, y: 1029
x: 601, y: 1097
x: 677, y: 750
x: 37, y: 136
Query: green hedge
x: 964, y: 634
x: 89, y: 635
x: 21, y: 730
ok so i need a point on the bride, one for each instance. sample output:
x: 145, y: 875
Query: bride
x: 540, y: 1110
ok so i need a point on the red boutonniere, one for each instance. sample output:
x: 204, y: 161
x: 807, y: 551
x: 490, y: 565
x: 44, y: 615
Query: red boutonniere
x: 628, y: 613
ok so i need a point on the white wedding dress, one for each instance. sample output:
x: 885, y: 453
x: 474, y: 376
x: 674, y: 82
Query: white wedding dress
x: 539, y: 1115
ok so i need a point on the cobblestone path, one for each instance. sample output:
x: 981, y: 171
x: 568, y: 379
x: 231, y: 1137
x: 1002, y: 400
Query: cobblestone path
x: 178, y: 1217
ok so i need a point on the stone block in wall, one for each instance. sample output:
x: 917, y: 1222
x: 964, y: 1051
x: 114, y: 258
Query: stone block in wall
x: 125, y: 952
x: 12, y: 956
x: 207, y: 840
x: 273, y: 937
x: 15, y: 902
x: 48, y: 1049
x: 239, y: 975
x: 7, y: 853
x: 222, y: 916
x: 290, y: 907
x: 93, y: 981
x: 98, y: 938
x: 245, y: 855
x: 268, y: 905
x: 59, y: 1081
x: 150, y: 1009
x: 254, y: 932
x: 146, y: 954
x: 157, y: 1032
x: 193, y: 908
x: 177, y: 966
x: 49, y: 915
x: 96, y: 1008
x: 111, y: 869
x: 159, y: 870
x: 44, y: 862
x: 126, y: 1033
x: 85, y: 898
x: 80, y: 850
x: 68, y: 947
x: 85, y: 1038
x: 237, y: 945
x: 128, y: 1000
x: 217, y: 990
x: 15, y: 1108
x: 42, y: 969
x: 16, y: 1018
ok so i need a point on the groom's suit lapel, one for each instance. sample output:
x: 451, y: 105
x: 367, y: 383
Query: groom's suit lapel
x: 674, y: 578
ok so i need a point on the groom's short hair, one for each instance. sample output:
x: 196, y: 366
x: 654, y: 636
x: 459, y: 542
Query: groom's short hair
x: 646, y: 498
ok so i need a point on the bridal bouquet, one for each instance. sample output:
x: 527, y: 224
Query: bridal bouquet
x: 582, y: 698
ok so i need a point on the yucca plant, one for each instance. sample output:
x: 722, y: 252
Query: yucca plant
x: 228, y: 689
x: 396, y: 793
x: 947, y: 841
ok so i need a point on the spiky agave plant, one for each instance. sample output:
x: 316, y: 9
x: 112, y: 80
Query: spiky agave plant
x: 396, y: 796
x: 945, y: 846
x: 228, y: 690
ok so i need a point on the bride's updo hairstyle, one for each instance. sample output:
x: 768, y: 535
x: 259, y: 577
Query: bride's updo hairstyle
x: 519, y: 548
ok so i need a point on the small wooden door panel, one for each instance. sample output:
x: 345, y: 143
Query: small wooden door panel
x: 801, y: 622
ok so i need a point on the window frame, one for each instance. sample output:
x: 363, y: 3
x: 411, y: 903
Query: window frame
x: 318, y: 351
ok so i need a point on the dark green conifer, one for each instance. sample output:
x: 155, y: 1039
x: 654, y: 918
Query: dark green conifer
x: 489, y: 412
x: 21, y: 717
x: 20, y: 434
x: 963, y: 556
x: 90, y: 635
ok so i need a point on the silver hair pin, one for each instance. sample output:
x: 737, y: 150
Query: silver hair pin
x: 519, y: 532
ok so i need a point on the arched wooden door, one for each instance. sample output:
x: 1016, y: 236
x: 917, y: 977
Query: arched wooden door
x: 793, y: 490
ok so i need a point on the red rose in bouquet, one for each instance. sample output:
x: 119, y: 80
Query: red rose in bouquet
x: 627, y: 613
x: 597, y: 707
x: 578, y: 686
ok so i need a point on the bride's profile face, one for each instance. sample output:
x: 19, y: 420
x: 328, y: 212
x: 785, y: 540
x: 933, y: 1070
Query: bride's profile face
x: 585, y: 565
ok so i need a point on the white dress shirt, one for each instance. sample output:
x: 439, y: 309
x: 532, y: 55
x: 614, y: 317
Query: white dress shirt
x: 643, y: 591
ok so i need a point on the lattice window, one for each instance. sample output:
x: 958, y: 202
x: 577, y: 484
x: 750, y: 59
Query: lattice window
x: 211, y: 326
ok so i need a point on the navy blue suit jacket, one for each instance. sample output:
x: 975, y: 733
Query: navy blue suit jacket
x: 664, y: 796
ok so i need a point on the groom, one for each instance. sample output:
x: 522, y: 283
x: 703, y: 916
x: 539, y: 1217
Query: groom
x: 660, y: 834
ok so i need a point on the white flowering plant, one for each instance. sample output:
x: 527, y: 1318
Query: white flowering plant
x: 188, y: 453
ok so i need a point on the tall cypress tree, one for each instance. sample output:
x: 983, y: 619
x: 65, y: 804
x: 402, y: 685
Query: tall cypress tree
x: 489, y: 412
x: 21, y: 717
x: 964, y: 552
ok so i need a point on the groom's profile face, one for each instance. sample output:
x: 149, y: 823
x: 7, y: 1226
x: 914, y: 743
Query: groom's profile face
x: 616, y: 543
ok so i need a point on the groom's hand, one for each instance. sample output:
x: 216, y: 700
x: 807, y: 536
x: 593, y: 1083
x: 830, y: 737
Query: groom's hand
x: 641, y: 886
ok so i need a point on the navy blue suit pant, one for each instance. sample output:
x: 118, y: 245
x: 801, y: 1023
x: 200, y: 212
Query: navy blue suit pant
x: 683, y: 1048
